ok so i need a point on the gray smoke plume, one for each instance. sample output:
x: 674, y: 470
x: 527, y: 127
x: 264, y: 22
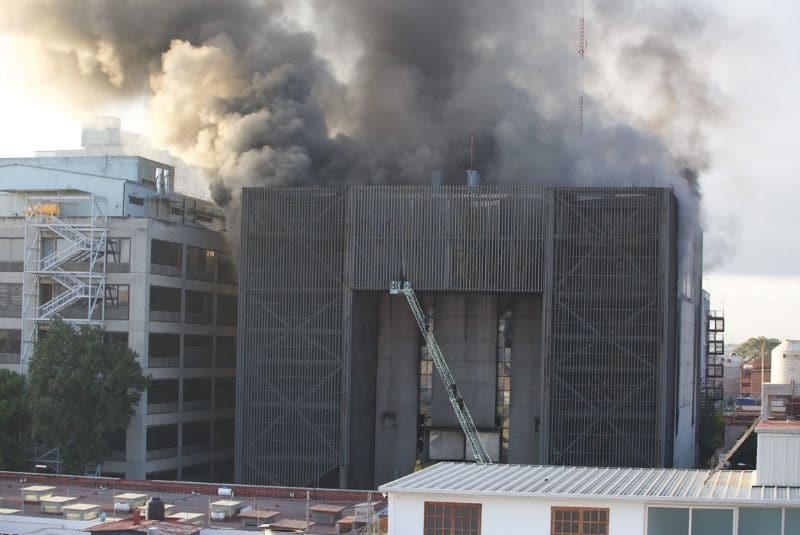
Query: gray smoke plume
x: 249, y: 95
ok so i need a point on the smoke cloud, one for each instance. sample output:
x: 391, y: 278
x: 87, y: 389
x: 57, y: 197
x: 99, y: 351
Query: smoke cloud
x: 384, y: 92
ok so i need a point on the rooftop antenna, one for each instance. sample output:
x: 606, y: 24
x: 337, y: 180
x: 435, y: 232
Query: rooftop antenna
x: 581, y: 54
x: 472, y: 151
x: 473, y: 177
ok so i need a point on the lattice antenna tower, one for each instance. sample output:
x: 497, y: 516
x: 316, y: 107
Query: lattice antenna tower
x: 581, y: 54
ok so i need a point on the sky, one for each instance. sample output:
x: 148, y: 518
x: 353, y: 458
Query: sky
x: 750, y: 193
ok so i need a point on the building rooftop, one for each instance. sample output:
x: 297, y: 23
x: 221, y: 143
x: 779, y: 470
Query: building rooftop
x: 144, y: 526
x: 183, y: 501
x: 662, y: 485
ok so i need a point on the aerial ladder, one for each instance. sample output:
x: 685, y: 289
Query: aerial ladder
x: 479, y: 453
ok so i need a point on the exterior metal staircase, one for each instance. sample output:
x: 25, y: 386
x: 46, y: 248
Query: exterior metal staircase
x: 76, y: 268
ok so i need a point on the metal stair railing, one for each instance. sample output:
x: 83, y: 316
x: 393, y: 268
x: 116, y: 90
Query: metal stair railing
x: 63, y: 255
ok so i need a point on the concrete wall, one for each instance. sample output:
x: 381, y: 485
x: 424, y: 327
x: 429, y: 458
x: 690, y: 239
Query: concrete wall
x: 685, y: 435
x: 466, y: 329
x: 526, y: 380
x: 396, y: 390
x: 501, y: 514
x: 363, y: 384
x: 125, y: 167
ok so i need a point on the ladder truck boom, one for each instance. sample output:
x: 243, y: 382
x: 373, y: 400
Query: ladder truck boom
x: 479, y: 453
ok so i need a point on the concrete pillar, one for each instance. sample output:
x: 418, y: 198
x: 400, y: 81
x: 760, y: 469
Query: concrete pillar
x: 526, y: 380
x: 466, y: 329
x: 138, y: 338
x: 396, y: 390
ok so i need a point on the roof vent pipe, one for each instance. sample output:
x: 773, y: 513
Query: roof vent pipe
x: 473, y: 178
x: 167, y: 182
x: 159, y: 181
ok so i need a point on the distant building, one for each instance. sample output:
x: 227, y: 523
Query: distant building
x: 101, y: 240
x: 754, y: 374
x: 731, y: 377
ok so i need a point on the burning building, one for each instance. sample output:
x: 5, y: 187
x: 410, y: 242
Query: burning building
x: 570, y: 317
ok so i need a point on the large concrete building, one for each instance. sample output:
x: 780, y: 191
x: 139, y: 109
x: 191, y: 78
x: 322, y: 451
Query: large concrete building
x: 570, y: 318
x: 100, y: 240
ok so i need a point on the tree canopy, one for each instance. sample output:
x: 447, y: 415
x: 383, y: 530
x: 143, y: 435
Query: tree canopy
x: 82, y: 393
x: 14, y: 420
x: 711, y: 429
x: 751, y: 348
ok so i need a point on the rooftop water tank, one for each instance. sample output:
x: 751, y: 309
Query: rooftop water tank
x: 786, y: 363
x: 155, y: 509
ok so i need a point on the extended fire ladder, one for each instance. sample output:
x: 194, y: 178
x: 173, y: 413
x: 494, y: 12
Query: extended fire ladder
x: 479, y: 453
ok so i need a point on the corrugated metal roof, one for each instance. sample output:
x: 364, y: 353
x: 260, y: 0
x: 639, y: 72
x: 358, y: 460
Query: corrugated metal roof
x: 637, y: 484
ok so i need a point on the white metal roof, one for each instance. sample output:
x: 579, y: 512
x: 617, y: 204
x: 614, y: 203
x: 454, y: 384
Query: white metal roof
x: 652, y: 485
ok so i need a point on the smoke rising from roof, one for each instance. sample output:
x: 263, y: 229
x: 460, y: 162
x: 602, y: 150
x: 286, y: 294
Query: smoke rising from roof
x: 250, y: 96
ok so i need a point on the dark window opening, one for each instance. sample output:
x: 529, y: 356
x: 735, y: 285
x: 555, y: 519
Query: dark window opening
x: 11, y: 300
x: 200, y: 264
x: 196, y: 433
x: 10, y: 346
x: 166, y: 258
x: 163, y: 475
x: 224, y: 433
x: 197, y: 351
x: 225, y: 393
x: 226, y: 272
x: 162, y: 391
x: 165, y: 304
x: 226, y: 309
x: 111, y: 338
x: 12, y: 253
x: 162, y: 437
x: 197, y: 390
x: 199, y: 307
x: 226, y: 352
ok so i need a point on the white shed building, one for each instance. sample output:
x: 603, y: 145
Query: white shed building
x: 470, y: 499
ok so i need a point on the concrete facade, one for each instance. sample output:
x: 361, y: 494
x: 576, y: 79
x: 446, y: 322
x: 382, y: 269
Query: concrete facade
x: 183, y: 427
x: 568, y: 315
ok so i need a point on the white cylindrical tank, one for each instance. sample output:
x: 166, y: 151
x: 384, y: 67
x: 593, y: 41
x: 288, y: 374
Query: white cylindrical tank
x: 786, y: 363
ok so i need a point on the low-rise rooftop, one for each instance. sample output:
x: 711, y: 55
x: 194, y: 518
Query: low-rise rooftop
x: 655, y: 485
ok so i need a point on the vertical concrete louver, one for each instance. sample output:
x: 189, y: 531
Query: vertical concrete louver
x: 602, y: 262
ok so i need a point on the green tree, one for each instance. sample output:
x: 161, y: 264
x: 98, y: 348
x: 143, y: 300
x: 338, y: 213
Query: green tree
x: 751, y: 349
x: 82, y: 393
x: 14, y: 420
x: 711, y: 429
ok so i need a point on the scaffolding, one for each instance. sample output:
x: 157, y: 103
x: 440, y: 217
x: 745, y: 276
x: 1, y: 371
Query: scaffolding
x: 715, y: 351
x: 65, y: 252
x: 604, y: 261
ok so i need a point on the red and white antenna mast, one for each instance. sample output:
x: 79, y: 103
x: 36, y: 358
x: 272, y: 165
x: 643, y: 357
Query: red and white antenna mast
x: 581, y: 53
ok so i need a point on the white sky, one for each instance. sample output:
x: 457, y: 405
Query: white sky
x: 751, y: 194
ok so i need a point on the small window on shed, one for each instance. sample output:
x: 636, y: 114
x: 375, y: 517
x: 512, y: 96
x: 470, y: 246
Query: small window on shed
x: 667, y: 521
x: 578, y: 521
x: 443, y: 518
x: 759, y: 521
x: 712, y: 521
x: 791, y: 521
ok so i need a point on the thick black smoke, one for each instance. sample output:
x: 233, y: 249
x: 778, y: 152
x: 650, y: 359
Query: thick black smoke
x: 242, y: 91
